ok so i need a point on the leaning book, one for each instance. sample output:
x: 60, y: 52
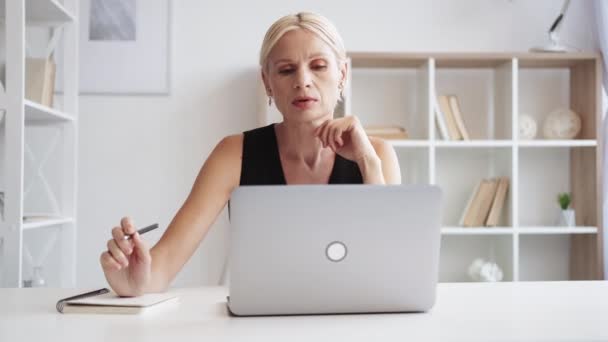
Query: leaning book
x: 104, y: 301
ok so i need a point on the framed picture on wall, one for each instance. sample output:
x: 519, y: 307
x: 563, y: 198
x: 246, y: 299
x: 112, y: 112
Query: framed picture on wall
x: 124, y: 47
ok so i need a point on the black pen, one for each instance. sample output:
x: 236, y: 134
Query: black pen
x: 142, y: 231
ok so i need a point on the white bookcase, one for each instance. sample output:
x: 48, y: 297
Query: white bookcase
x: 493, y: 89
x: 38, y: 149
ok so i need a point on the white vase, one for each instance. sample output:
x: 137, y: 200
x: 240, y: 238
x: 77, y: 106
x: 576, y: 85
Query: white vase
x: 567, y: 218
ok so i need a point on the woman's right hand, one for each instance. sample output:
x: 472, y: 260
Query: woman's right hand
x: 127, y: 264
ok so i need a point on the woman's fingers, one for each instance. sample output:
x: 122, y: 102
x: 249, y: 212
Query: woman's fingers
x: 117, y: 254
x: 124, y: 245
x: 127, y: 225
x: 108, y: 262
x: 141, y: 249
x: 338, y: 137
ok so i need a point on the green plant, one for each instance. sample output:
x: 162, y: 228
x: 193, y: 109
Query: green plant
x: 564, y: 199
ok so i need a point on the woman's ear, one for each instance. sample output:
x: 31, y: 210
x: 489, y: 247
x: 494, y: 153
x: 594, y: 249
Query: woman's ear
x: 266, y: 83
x: 343, y: 72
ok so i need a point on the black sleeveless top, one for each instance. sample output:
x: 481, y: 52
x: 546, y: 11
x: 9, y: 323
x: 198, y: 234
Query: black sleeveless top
x: 261, y: 163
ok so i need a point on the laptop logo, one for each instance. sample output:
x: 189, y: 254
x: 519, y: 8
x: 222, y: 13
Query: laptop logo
x: 336, y: 251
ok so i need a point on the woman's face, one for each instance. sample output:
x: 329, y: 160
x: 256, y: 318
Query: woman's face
x: 303, y: 77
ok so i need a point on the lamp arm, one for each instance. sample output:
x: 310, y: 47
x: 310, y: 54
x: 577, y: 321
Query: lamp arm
x: 558, y: 21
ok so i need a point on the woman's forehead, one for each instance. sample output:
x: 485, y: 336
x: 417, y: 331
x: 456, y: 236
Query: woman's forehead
x: 299, y: 44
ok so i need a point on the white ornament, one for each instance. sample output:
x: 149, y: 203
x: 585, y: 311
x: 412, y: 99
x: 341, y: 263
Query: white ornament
x: 527, y: 127
x: 482, y: 270
x: 562, y: 123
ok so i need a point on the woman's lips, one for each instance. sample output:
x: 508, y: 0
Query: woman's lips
x: 304, y: 103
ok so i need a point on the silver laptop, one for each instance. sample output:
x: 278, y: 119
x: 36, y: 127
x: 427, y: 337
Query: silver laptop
x: 330, y: 249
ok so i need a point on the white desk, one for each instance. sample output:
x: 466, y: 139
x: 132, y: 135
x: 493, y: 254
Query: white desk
x: 504, y: 311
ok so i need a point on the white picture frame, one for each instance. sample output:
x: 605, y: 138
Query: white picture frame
x: 135, y: 64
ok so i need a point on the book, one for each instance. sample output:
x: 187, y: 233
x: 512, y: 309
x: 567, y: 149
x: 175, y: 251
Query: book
x: 440, y: 120
x: 467, y: 208
x: 386, y: 132
x: 444, y: 106
x: 104, y: 301
x: 455, y: 106
x: 486, y: 198
x: 473, y: 206
x: 498, y: 203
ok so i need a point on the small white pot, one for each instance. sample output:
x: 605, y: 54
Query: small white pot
x: 567, y: 218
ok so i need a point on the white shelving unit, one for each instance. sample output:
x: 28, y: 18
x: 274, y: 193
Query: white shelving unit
x: 493, y: 89
x: 39, y: 145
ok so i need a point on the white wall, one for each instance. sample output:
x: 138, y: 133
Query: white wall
x: 140, y: 155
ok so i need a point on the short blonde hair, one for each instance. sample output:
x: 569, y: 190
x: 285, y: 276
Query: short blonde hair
x: 312, y: 22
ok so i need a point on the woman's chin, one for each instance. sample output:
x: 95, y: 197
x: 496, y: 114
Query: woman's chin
x: 306, y: 117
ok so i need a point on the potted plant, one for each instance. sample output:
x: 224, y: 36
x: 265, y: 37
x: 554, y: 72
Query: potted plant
x: 567, y: 217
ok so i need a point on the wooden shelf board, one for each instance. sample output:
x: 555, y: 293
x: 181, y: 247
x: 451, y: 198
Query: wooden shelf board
x: 38, y: 114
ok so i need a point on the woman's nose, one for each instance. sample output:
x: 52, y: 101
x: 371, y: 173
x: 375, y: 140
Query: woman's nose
x: 303, y: 79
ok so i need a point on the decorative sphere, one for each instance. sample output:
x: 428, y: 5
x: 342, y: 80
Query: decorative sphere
x: 562, y: 123
x: 527, y: 127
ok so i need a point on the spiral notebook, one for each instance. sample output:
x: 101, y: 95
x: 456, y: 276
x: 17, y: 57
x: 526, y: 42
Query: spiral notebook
x: 104, y: 301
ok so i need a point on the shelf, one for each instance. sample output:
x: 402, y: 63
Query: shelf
x: 409, y: 143
x: 477, y: 230
x: 42, y: 12
x: 474, y: 143
x: 45, y: 222
x: 557, y: 230
x: 520, y: 230
x: 38, y: 114
x: 558, y: 143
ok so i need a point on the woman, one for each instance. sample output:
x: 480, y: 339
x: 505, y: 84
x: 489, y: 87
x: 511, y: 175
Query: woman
x: 304, y: 70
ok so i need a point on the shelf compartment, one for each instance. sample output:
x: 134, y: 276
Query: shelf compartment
x: 544, y: 257
x: 562, y: 82
x: 414, y: 165
x: 460, y: 170
x: 398, y: 97
x: 458, y: 252
x: 42, y: 12
x: 484, y: 89
x: 37, y: 114
x: 544, y: 173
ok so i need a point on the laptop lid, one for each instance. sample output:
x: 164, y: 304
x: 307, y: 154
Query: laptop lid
x: 320, y: 249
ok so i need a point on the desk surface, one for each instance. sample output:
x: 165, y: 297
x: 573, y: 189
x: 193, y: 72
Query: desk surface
x: 465, y: 311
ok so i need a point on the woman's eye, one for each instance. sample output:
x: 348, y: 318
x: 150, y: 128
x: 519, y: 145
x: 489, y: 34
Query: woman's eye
x: 285, y: 71
x: 319, y: 67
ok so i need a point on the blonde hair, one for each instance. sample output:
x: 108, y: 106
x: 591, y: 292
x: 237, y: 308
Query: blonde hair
x: 312, y: 22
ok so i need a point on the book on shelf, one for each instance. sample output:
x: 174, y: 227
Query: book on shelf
x: 387, y: 132
x: 104, y: 301
x: 498, y: 203
x: 440, y: 120
x: 455, y: 107
x: 444, y: 107
x: 449, y: 118
x: 485, y: 203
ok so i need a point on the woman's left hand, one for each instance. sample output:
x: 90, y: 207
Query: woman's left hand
x: 347, y: 138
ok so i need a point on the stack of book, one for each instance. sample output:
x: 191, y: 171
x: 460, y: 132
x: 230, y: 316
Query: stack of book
x: 449, y: 118
x: 486, y: 203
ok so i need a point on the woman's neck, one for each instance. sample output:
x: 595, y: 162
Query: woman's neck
x: 298, y: 143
